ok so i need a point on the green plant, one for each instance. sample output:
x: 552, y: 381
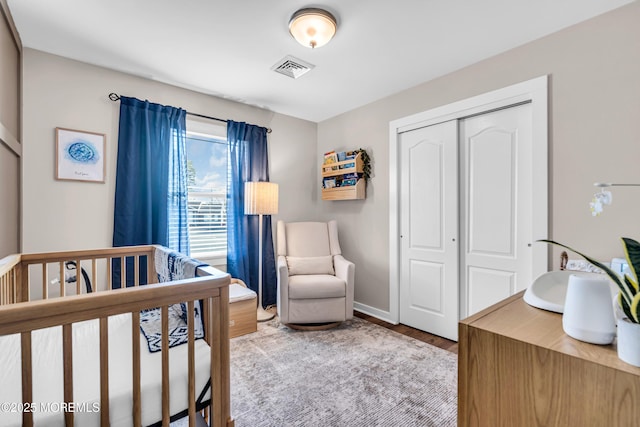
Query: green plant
x: 629, y: 295
x: 366, y: 163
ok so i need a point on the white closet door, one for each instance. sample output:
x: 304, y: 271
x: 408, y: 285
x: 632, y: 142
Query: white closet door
x: 496, y: 199
x: 429, y: 229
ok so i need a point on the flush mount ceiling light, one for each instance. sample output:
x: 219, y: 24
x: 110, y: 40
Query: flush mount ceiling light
x: 312, y: 27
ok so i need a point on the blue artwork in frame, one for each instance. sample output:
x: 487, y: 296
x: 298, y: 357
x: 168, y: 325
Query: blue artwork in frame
x: 80, y: 155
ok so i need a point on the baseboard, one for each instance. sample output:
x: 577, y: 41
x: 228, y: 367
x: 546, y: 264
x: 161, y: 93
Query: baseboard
x: 375, y: 312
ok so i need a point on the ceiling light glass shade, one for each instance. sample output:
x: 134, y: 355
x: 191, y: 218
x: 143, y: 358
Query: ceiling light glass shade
x: 312, y: 27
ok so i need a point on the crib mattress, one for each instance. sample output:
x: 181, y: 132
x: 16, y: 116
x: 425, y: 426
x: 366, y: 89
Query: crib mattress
x: 48, y: 376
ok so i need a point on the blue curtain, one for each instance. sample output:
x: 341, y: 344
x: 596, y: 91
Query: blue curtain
x: 248, y: 161
x: 151, y: 184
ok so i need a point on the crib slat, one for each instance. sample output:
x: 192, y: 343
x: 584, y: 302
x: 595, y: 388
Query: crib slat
x: 23, y: 295
x: 27, y: 378
x: 191, y: 363
x: 17, y: 279
x: 94, y: 274
x: 109, y: 278
x: 67, y: 357
x: 215, y: 413
x: 11, y: 284
x: 135, y: 341
x: 165, y: 366
x: 45, y: 278
x: 225, y: 356
x: 136, y: 271
x: 78, y: 277
x: 104, y: 371
x: 15, y: 284
x: 63, y: 288
x: 4, y: 299
x: 123, y: 272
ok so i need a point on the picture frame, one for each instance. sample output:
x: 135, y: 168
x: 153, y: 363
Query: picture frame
x: 80, y: 156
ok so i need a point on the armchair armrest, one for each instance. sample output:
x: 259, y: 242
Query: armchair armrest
x: 282, y: 267
x: 346, y: 270
x: 343, y: 267
x: 282, y: 272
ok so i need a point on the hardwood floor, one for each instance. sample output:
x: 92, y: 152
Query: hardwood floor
x: 435, y: 340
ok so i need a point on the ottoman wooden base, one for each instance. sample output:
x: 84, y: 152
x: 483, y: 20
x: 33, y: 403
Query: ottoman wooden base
x: 242, y: 312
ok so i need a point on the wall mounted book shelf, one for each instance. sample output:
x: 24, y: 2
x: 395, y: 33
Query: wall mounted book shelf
x: 343, y: 180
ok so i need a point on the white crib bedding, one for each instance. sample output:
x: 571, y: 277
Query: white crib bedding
x: 48, y: 371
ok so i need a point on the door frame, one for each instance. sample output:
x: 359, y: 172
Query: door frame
x: 533, y: 91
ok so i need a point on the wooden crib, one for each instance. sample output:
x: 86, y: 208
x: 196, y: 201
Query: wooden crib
x: 34, y: 295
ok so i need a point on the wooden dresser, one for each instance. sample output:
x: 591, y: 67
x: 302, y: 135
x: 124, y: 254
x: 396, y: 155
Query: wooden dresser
x: 518, y: 368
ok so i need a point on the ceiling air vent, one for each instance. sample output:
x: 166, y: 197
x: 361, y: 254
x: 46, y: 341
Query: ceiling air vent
x: 292, y: 67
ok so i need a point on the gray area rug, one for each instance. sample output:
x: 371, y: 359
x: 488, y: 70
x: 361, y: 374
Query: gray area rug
x: 358, y: 374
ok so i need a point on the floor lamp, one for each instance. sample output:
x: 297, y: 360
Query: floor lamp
x: 261, y: 198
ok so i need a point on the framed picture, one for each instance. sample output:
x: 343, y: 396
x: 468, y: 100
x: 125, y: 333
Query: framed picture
x: 80, y: 155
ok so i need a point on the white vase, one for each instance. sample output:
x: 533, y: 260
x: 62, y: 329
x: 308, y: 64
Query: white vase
x: 588, y: 312
x: 629, y: 342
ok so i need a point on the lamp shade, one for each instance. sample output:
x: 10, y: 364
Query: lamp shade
x: 260, y: 198
x: 312, y: 27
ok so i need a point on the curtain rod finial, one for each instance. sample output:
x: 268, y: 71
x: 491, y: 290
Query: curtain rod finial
x: 114, y: 96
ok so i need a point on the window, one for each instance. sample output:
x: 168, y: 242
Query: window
x: 207, y: 176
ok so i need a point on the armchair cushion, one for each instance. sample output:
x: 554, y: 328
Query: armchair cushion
x: 310, y: 265
x: 305, y: 239
x: 316, y: 286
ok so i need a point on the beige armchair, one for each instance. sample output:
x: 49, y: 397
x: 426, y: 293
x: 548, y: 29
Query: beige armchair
x: 315, y: 282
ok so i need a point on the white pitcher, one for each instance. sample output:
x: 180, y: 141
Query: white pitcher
x: 588, y: 311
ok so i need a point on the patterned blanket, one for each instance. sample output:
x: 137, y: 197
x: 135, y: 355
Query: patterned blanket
x: 171, y: 266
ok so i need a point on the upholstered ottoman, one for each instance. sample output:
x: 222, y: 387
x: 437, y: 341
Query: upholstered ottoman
x: 242, y: 309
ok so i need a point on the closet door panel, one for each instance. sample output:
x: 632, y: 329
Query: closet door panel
x: 496, y: 199
x: 492, y: 192
x: 426, y: 192
x: 429, y: 229
x: 485, y: 285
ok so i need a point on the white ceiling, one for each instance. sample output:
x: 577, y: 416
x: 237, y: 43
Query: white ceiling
x: 227, y: 48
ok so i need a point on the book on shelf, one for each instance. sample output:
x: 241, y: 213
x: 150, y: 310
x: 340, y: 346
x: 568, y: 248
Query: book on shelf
x: 347, y: 165
x: 352, y: 175
x: 345, y: 180
x: 349, y: 155
x: 330, y: 157
x: 328, y: 183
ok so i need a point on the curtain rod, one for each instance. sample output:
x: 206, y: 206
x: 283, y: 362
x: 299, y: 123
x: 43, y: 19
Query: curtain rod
x: 115, y: 97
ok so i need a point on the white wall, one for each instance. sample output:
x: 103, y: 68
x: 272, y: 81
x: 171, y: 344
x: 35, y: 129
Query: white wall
x: 58, y: 92
x: 594, y: 134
